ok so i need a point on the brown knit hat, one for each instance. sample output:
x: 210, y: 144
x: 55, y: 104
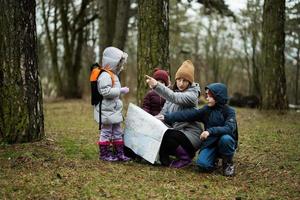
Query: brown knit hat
x: 186, y: 71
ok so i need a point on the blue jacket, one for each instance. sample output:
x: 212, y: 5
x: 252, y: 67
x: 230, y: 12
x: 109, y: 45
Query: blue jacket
x: 218, y: 120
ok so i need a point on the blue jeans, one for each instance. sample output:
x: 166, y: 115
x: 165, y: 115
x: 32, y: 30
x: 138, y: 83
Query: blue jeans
x: 207, y: 156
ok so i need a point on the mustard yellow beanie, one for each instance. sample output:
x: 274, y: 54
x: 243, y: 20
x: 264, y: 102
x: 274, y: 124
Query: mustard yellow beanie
x: 186, y: 71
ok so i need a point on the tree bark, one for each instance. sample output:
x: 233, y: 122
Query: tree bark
x: 153, y: 40
x: 121, y: 24
x: 107, y: 21
x: 273, y: 73
x: 113, y: 23
x: 21, y: 113
x: 297, y: 75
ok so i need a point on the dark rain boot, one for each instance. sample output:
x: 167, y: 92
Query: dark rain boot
x: 184, y: 158
x: 119, y: 147
x: 105, y: 153
x: 228, y: 166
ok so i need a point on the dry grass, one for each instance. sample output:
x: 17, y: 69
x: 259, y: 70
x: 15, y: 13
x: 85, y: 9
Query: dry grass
x: 65, y: 166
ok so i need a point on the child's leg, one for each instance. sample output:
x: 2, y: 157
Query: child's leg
x: 118, y: 142
x: 105, y: 133
x: 104, y: 143
x: 184, y: 150
x: 167, y: 148
x: 206, y: 159
x: 226, y: 148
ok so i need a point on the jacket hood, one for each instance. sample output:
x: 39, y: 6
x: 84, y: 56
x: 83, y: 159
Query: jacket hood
x: 219, y: 90
x: 195, y: 87
x: 112, y: 57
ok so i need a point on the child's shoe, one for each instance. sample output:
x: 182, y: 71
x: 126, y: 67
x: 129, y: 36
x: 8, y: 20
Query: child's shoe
x: 228, y: 166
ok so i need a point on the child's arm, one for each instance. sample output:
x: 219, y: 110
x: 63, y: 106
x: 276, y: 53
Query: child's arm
x: 105, y: 86
x: 228, y: 128
x: 187, y: 98
x: 188, y: 115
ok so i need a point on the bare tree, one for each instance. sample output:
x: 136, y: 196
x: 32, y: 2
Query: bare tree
x: 250, y: 31
x: 113, y: 22
x: 73, y: 40
x: 52, y: 40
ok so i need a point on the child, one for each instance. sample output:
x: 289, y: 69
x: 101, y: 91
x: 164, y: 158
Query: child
x: 153, y: 103
x: 111, y: 108
x: 220, y: 136
x: 182, y: 140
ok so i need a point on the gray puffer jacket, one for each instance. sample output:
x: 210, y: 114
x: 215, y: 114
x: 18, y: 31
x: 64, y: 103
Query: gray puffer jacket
x: 177, y: 101
x: 111, y: 107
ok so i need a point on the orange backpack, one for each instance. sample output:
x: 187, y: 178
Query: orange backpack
x: 96, y: 97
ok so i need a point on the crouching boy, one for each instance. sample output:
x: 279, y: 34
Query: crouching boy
x: 219, y: 140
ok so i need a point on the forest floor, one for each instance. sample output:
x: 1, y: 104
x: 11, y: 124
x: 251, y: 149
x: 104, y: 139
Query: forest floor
x: 65, y: 164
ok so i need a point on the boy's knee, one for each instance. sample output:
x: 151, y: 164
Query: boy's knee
x: 226, y: 140
x: 204, y: 165
x: 226, y: 145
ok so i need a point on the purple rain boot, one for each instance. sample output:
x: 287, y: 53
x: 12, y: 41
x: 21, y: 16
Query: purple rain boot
x: 119, y: 147
x: 105, y: 152
x: 184, y: 158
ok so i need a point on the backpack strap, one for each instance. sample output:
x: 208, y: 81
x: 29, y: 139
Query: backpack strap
x: 108, y: 70
x: 96, y: 71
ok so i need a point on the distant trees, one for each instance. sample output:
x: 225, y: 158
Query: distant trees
x: 21, y: 110
x: 273, y: 80
x: 113, y: 23
x: 293, y: 48
x: 65, y: 23
x: 250, y: 30
x: 208, y: 36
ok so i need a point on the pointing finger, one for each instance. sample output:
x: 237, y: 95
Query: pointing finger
x: 148, y: 76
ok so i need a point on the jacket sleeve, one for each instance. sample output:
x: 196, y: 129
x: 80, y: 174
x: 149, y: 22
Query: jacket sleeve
x: 147, y: 102
x: 188, y: 115
x: 105, y: 88
x: 186, y: 98
x: 228, y: 128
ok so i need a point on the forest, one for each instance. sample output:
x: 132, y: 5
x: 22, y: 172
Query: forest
x: 47, y: 132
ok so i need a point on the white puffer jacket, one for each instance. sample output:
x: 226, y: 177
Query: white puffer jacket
x: 111, y: 107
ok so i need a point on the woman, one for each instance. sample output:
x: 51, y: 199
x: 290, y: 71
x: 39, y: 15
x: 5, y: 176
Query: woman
x: 182, y: 139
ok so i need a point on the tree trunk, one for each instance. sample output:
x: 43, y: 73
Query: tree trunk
x: 297, y: 76
x: 121, y: 24
x: 273, y: 73
x: 21, y: 113
x: 255, y: 69
x: 197, y: 58
x: 107, y: 20
x: 52, y: 40
x: 113, y: 23
x: 153, y: 40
